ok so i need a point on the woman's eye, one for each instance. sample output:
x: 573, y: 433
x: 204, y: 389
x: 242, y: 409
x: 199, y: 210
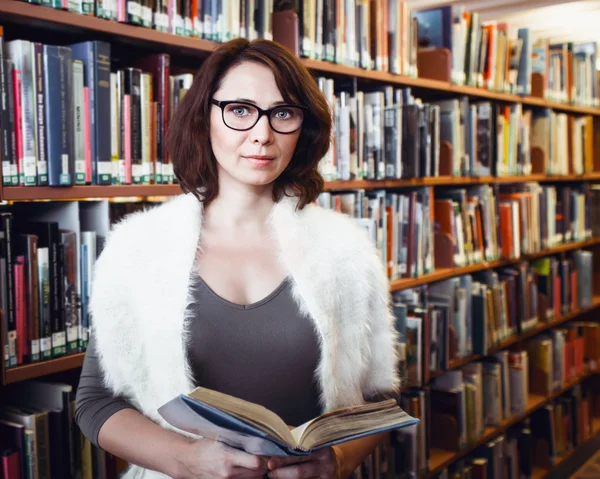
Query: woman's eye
x: 283, y: 114
x: 240, y: 110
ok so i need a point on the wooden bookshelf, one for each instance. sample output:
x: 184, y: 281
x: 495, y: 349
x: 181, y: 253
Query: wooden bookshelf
x: 542, y: 472
x: 51, y: 19
x: 453, y: 181
x: 43, y: 193
x: 445, y: 273
x: 43, y: 368
x: 440, y: 458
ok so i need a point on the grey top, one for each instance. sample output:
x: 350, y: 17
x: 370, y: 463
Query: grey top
x: 265, y: 352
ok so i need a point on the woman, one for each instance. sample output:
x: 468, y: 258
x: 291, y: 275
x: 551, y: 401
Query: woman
x: 241, y: 285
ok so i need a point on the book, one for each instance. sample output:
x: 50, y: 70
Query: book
x: 259, y: 431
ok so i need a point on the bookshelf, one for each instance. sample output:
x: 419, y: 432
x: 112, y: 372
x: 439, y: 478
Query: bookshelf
x: 439, y: 458
x: 190, y: 52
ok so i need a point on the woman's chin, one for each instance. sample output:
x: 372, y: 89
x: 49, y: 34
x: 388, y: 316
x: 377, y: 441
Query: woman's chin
x: 258, y: 178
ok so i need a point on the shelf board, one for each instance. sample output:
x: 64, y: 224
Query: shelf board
x: 36, y: 370
x: 452, y: 181
x: 39, y: 193
x: 45, y: 17
x: 440, y: 458
x: 47, y: 193
x: 446, y: 273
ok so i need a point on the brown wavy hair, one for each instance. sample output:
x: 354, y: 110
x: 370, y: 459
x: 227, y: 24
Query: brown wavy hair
x: 188, y: 137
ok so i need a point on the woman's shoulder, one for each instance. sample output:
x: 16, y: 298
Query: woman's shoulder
x: 155, y: 222
x: 341, y: 228
x: 145, y: 234
x: 340, y: 237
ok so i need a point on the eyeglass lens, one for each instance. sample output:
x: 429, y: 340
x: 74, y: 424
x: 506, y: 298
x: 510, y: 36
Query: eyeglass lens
x: 241, y: 117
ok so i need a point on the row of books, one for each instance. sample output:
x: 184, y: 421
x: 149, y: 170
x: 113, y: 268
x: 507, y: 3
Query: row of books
x: 418, y: 229
x: 70, y: 120
x: 39, y: 437
x: 458, y: 408
x: 97, y: 126
x: 486, y: 393
x: 387, y: 133
x: 456, y: 318
x: 537, y: 442
x: 47, y: 257
x: 486, y: 55
x: 347, y: 32
x: 214, y: 20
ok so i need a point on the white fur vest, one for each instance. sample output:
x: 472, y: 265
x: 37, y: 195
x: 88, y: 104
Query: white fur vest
x: 140, y: 296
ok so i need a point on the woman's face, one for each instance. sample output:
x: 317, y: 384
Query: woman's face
x: 257, y: 156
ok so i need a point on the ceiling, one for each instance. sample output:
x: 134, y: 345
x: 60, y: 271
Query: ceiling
x: 558, y: 20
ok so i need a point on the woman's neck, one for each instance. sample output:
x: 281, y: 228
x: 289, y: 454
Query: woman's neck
x: 240, y: 208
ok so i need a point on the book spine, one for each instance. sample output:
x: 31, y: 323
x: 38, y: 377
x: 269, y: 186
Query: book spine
x: 21, y: 324
x: 59, y: 334
x: 67, y: 117
x: 121, y: 125
x: 71, y: 299
x: 13, y: 160
x: 54, y: 92
x: 18, y: 125
x: 79, y: 123
x: 87, y: 135
x: 83, y: 329
x: 145, y: 101
x: 44, y: 302
x: 101, y: 130
x: 85, y: 53
x: 127, y: 138
x: 8, y: 256
x: 6, y: 116
x: 57, y: 323
x: 136, y: 125
x: 114, y: 127
x: 33, y: 319
x: 40, y: 118
x: 20, y: 53
x: 165, y: 168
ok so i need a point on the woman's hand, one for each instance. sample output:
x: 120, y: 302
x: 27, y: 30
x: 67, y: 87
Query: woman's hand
x: 322, y: 464
x: 207, y: 459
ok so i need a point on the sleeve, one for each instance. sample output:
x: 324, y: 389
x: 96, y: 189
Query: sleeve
x: 383, y: 338
x: 94, y: 403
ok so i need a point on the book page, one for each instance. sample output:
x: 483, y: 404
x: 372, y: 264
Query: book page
x: 262, y: 417
x: 301, y: 431
x: 340, y: 427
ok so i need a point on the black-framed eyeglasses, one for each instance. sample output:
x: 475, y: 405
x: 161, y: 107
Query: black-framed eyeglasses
x: 242, y: 116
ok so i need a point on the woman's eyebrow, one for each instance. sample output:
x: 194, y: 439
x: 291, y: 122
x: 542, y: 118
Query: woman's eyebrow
x: 247, y: 100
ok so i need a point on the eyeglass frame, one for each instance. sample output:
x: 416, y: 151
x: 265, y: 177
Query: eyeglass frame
x: 261, y: 112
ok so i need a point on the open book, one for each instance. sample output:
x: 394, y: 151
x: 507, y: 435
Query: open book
x: 257, y: 430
